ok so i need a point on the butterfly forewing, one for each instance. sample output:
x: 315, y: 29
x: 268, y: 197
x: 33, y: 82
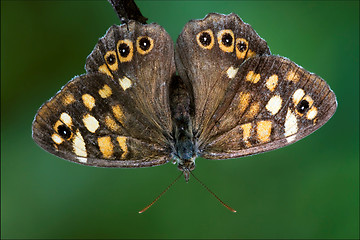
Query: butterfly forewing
x: 276, y: 103
x: 139, y: 58
x: 205, y: 50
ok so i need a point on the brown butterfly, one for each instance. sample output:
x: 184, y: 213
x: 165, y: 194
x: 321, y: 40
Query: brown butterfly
x: 231, y: 98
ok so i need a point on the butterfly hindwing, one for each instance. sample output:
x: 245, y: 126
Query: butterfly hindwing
x: 276, y: 103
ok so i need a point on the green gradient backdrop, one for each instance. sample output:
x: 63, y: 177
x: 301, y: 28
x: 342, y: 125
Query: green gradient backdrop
x: 307, y: 190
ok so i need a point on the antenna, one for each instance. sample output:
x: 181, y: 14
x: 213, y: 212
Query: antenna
x: 148, y: 206
x: 224, y: 204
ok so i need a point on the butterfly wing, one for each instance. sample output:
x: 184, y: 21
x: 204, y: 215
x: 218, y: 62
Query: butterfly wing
x: 140, y: 58
x: 205, y: 51
x: 274, y: 103
x: 116, y: 115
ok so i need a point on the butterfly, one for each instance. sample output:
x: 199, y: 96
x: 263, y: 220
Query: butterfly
x: 218, y: 94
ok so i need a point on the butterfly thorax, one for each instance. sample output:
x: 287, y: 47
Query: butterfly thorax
x: 184, y: 149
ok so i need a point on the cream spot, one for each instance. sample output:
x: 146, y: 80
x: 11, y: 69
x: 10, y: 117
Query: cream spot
x: 274, y: 104
x: 246, y: 133
x: 290, y: 123
x: 105, y: 92
x: 122, y: 143
x: 298, y: 95
x: 311, y: 114
x: 56, y: 138
x: 291, y: 138
x: 272, y: 81
x: 231, y: 72
x: 79, y: 145
x: 90, y: 123
x: 252, y: 77
x: 89, y: 101
x: 82, y: 159
x: 65, y: 118
x: 264, y: 130
x: 106, y: 147
x: 125, y: 82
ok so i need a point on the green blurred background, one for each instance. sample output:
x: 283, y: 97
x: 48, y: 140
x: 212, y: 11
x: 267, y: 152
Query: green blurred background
x: 307, y: 190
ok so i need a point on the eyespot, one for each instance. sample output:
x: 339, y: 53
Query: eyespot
x: 303, y: 106
x: 64, y: 131
x: 144, y: 44
x: 125, y: 50
x: 226, y: 40
x: 205, y: 39
x: 111, y: 60
x: 242, y: 46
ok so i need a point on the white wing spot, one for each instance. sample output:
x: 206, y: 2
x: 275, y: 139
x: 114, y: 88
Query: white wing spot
x: 56, y: 138
x: 90, y: 123
x: 125, y: 82
x: 231, y: 72
x: 298, y: 95
x: 290, y: 124
x: 274, y: 104
x: 312, y: 113
x: 79, y: 145
x: 65, y: 118
x: 82, y: 159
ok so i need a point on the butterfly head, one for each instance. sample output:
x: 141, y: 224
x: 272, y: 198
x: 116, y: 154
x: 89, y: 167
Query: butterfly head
x: 186, y: 167
x: 185, y: 156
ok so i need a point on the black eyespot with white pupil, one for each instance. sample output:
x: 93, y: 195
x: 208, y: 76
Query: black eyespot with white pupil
x: 111, y: 59
x: 64, y: 131
x: 227, y: 39
x: 205, y: 39
x: 303, y: 106
x: 144, y: 44
x: 242, y: 46
x: 124, y: 50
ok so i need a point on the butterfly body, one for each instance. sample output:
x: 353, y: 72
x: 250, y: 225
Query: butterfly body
x: 231, y: 98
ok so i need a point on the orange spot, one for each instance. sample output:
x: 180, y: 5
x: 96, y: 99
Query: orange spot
x: 106, y: 147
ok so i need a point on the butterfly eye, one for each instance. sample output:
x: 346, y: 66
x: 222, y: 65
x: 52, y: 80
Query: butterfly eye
x: 111, y: 61
x: 64, y: 131
x: 226, y: 40
x: 205, y: 39
x: 144, y: 44
x: 125, y: 50
x: 241, y: 47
